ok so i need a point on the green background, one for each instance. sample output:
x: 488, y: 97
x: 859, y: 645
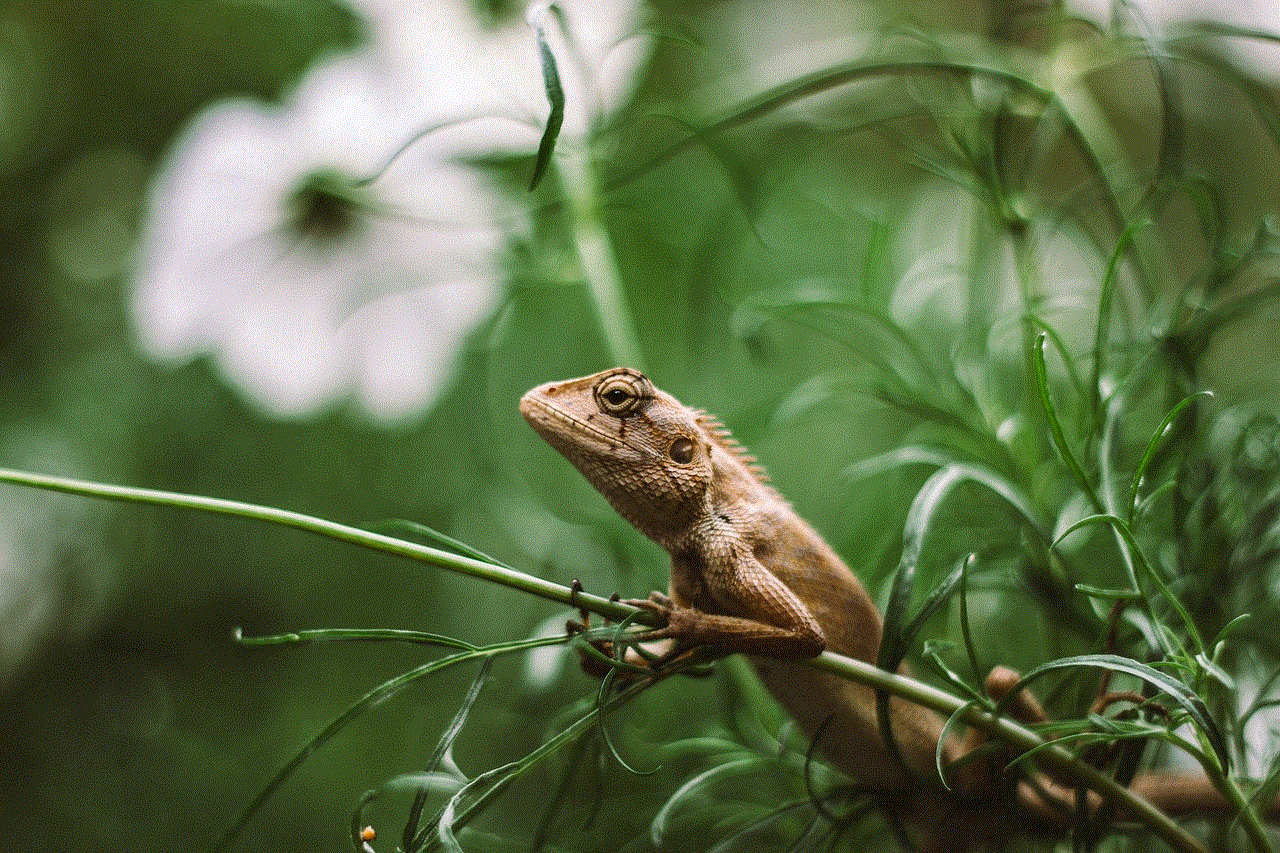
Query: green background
x: 130, y: 720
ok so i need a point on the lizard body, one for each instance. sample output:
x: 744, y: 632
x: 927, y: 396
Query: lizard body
x: 748, y: 575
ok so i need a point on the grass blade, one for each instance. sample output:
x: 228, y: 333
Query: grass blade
x: 1132, y: 503
x: 936, y: 598
x: 357, y: 821
x: 410, y: 837
x: 398, y: 527
x: 1068, y: 362
x: 333, y: 530
x: 364, y: 703
x: 658, y: 827
x: 1101, y: 331
x: 1131, y: 544
x: 374, y: 697
x: 1192, y: 704
x: 322, y: 635
x: 555, y: 98
x: 493, y: 780
x: 519, y: 767
x: 1055, y: 426
x: 897, y: 632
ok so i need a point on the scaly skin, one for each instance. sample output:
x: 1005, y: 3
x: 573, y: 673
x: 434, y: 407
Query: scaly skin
x: 748, y: 575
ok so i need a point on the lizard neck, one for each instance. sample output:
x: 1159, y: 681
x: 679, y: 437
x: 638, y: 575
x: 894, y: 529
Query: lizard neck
x: 733, y: 500
x: 666, y: 527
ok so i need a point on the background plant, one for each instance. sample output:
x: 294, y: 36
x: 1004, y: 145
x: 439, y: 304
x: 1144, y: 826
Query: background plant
x: 947, y: 273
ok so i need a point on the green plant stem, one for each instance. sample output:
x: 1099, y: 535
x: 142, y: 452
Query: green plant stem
x: 1249, y: 819
x: 1054, y: 757
x: 914, y: 691
x: 323, y: 527
x: 595, y: 255
x: 518, y: 768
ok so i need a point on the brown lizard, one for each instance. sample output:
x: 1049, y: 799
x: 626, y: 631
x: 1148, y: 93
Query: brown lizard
x: 749, y: 575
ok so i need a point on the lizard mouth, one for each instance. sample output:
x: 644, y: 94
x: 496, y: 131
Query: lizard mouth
x: 550, y: 421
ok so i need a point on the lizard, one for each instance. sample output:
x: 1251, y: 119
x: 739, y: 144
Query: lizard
x: 749, y: 576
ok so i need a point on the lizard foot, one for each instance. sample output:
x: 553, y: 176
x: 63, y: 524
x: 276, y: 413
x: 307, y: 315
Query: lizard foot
x: 681, y: 627
x: 661, y: 606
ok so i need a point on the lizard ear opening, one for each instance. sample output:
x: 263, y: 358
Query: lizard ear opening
x: 681, y: 450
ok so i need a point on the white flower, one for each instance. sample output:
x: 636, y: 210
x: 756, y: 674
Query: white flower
x: 304, y: 288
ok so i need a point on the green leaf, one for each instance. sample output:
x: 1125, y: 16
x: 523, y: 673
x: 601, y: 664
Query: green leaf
x: 1055, y: 426
x: 495, y: 781
x: 398, y: 526
x: 937, y: 596
x: 411, y: 837
x: 1149, y: 454
x: 357, y: 820
x: 1131, y: 544
x: 965, y: 633
x: 919, y: 520
x: 1216, y: 672
x: 896, y: 458
x: 1067, y: 361
x: 491, y: 781
x: 374, y: 697
x: 740, y: 839
x: 658, y: 827
x: 1109, y: 594
x: 898, y: 632
x: 1101, y: 338
x: 324, y: 635
x: 1182, y: 695
x: 1229, y: 629
x: 369, y: 700
x: 606, y: 687
x: 555, y: 116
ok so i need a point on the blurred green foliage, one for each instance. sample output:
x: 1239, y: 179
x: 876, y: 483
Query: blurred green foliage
x: 769, y: 271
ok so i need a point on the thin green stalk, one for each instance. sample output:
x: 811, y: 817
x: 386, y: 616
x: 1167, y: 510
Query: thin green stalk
x: 379, y: 542
x: 1050, y: 755
x: 595, y: 254
x: 516, y: 768
x: 864, y: 673
x: 1248, y: 815
x: 578, y: 178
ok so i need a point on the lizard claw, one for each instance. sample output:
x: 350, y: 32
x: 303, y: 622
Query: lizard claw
x: 680, y: 628
x: 657, y: 603
x: 679, y: 621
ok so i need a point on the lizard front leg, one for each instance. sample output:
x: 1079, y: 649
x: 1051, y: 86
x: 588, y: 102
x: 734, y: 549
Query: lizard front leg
x: 734, y: 605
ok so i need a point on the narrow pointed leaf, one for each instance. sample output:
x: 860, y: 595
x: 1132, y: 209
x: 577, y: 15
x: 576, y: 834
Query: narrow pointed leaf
x: 1055, y: 426
x: 1151, y: 448
x: 555, y: 117
x: 658, y: 827
x: 1166, y: 684
x: 411, y: 837
x: 397, y: 526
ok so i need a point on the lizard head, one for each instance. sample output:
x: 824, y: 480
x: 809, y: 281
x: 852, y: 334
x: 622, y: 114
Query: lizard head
x: 639, y: 446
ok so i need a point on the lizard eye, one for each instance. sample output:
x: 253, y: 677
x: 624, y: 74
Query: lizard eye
x: 681, y: 450
x: 624, y: 394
